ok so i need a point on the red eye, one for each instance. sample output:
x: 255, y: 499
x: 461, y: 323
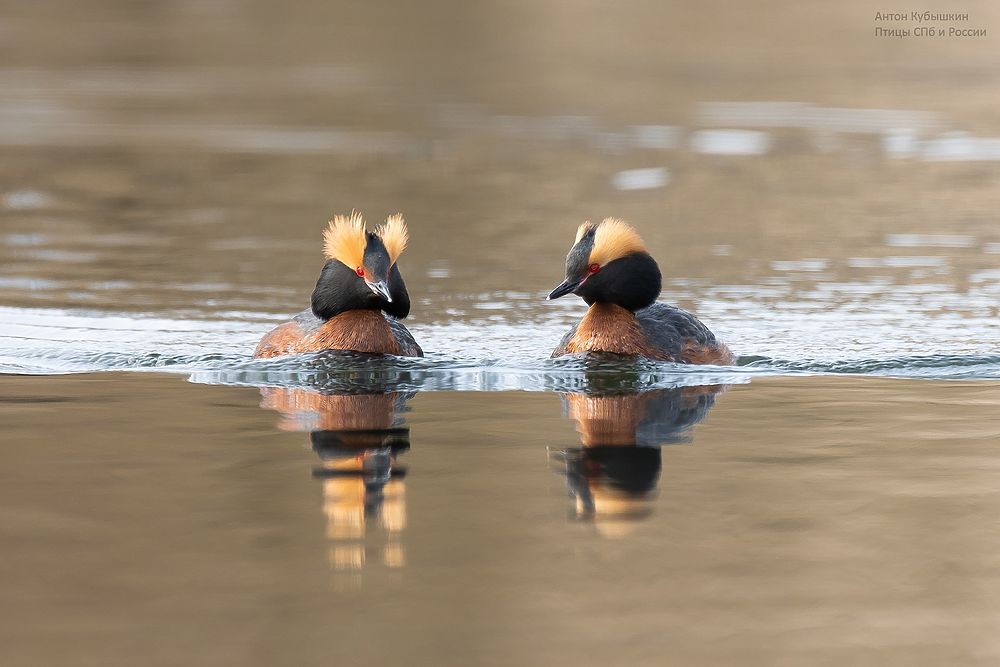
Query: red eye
x: 361, y: 271
x: 594, y: 268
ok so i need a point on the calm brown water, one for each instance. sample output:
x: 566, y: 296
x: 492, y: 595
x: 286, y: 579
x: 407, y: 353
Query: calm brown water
x: 825, y: 199
x: 809, y: 521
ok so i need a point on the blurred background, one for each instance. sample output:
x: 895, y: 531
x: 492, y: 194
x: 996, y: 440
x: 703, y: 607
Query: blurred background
x: 781, y: 159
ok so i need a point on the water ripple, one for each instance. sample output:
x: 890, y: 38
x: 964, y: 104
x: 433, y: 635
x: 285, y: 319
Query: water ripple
x: 791, y: 340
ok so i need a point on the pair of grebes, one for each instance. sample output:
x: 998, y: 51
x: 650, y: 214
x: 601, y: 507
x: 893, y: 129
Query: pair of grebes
x: 360, y: 298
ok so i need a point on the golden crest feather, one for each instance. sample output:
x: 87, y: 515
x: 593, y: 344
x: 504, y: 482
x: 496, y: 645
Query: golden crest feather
x: 581, y: 230
x: 394, y: 236
x: 344, y: 240
x: 614, y: 238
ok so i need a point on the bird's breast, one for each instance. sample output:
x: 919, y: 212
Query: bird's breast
x: 365, y: 331
x: 612, y: 329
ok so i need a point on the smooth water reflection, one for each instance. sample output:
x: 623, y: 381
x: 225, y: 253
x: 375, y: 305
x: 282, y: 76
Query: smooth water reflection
x: 612, y: 475
x: 358, y: 438
x: 856, y: 519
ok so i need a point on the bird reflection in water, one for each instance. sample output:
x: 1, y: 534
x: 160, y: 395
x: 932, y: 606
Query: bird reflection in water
x: 613, y: 476
x: 358, y: 438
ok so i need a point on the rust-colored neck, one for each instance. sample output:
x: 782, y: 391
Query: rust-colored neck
x: 356, y: 330
x: 610, y: 328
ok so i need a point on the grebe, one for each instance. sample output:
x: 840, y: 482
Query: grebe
x: 611, y: 269
x: 359, y: 298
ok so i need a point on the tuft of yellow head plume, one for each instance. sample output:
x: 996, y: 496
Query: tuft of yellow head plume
x: 394, y: 236
x: 581, y: 230
x: 614, y: 238
x: 344, y: 240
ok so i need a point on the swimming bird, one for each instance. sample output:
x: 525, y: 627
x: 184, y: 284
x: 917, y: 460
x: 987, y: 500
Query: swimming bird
x: 359, y: 299
x: 611, y: 269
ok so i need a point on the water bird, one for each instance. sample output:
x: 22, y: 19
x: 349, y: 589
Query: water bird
x: 359, y: 299
x: 610, y: 268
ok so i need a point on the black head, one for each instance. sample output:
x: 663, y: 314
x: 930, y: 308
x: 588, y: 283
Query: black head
x: 361, y: 271
x: 608, y: 263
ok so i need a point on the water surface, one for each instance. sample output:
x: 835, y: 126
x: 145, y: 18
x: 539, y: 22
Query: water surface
x: 799, y: 520
x: 826, y: 202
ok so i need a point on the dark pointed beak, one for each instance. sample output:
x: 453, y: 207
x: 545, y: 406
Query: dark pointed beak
x: 380, y: 288
x: 565, y: 287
